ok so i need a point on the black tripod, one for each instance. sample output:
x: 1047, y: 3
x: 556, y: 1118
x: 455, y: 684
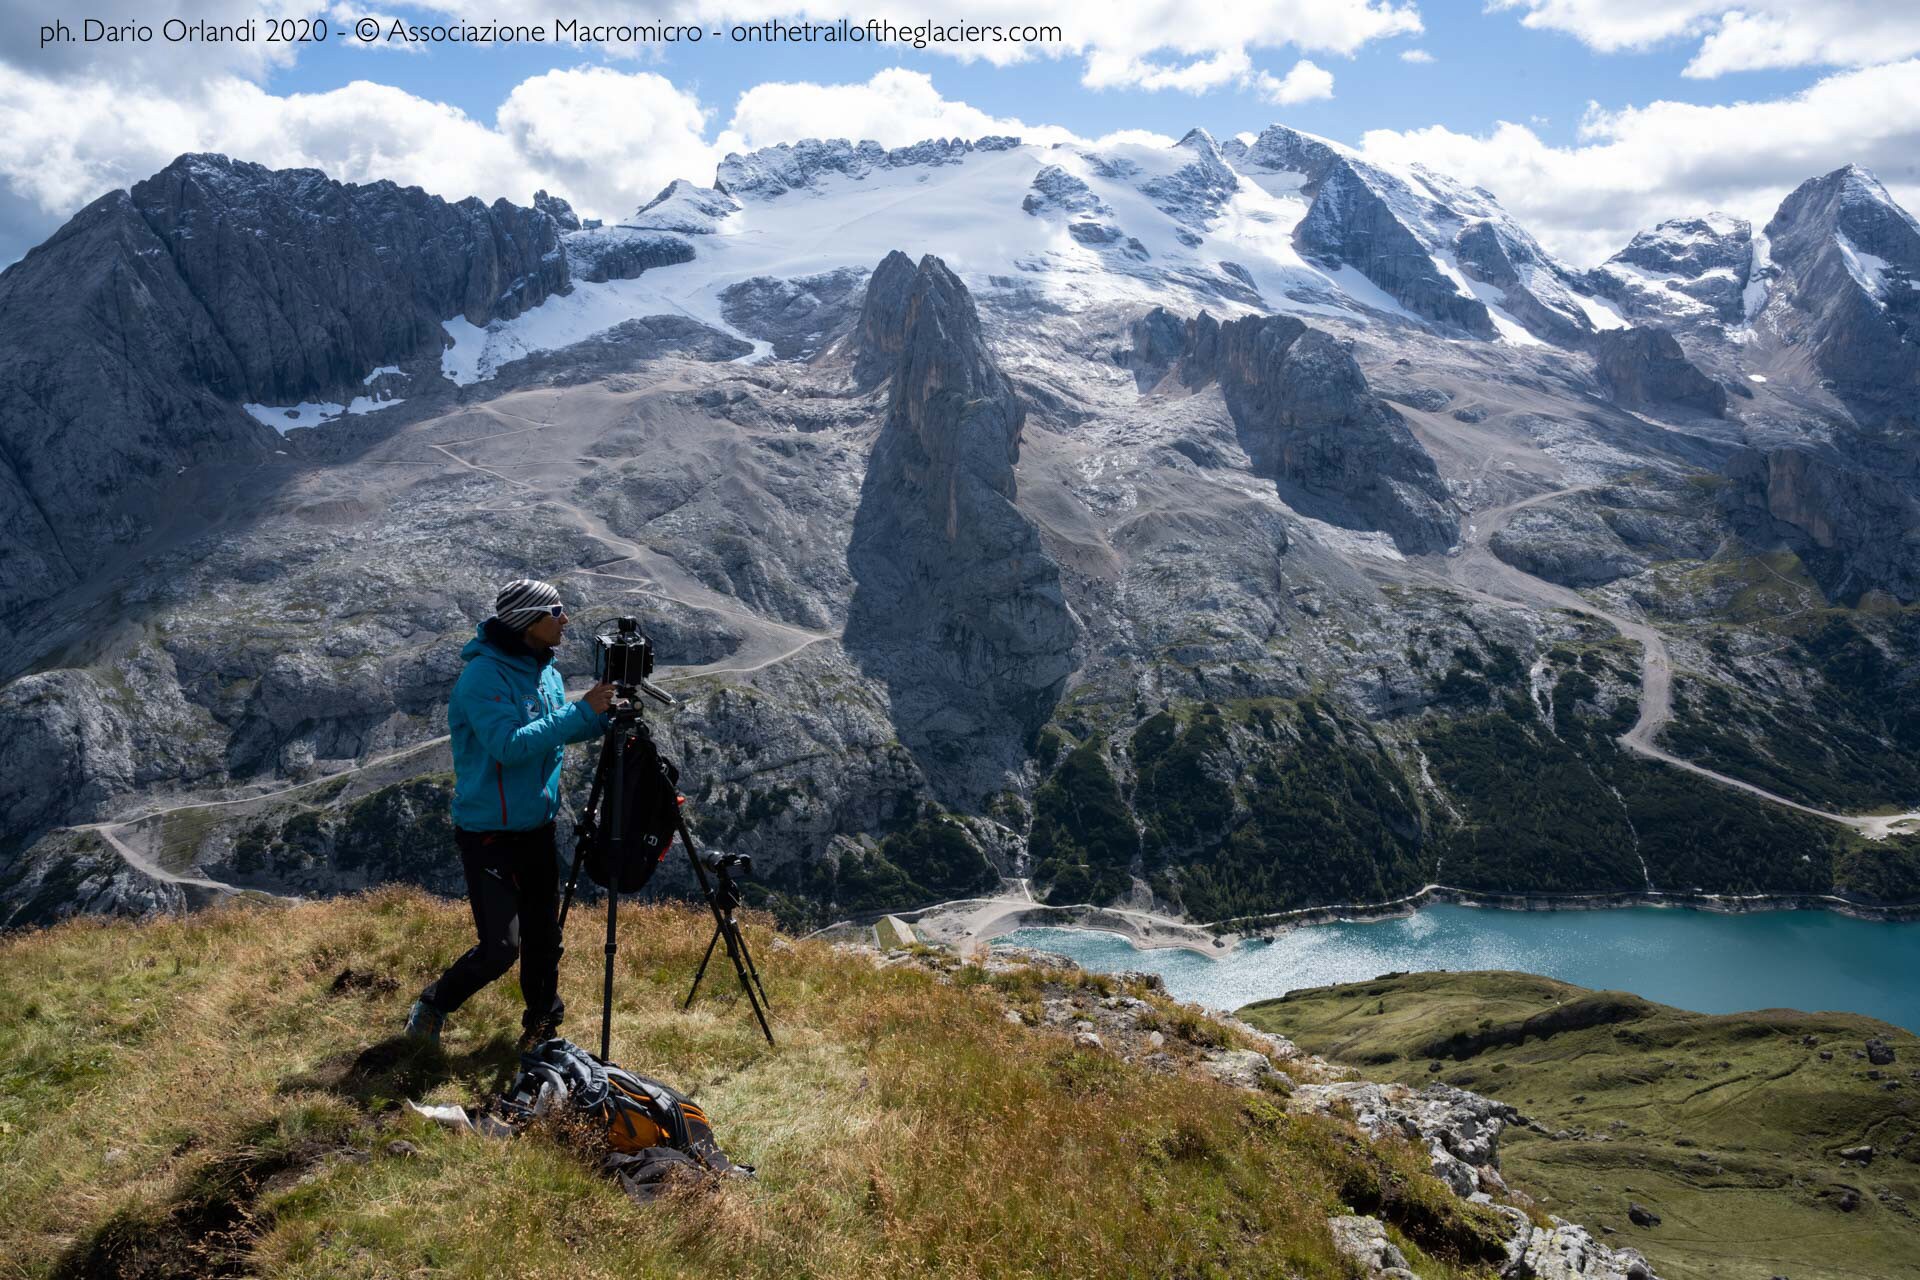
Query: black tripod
x: 627, y: 735
x: 723, y: 895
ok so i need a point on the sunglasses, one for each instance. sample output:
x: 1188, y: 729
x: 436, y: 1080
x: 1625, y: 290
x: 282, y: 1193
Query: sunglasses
x: 552, y: 610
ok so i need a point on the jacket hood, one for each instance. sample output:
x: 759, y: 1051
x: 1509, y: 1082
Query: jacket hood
x: 491, y: 640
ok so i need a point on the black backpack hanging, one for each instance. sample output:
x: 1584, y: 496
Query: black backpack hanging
x: 649, y: 817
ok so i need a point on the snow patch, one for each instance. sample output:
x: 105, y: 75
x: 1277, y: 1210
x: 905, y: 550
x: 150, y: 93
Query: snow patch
x: 1601, y: 313
x: 1756, y: 377
x: 1868, y: 270
x: 381, y: 371
x: 285, y: 417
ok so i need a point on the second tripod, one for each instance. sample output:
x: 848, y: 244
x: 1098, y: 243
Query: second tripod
x: 723, y: 897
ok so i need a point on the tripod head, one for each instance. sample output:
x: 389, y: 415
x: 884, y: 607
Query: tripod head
x: 623, y: 658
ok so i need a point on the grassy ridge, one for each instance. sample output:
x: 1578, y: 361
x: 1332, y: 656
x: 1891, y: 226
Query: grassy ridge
x: 205, y: 1096
x: 1729, y: 1127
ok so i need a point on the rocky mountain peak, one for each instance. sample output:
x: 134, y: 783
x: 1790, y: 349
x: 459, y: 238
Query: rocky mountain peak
x: 959, y: 405
x: 684, y: 208
x: 771, y: 172
x: 1848, y: 256
x: 958, y: 605
x: 558, y: 209
x: 881, y: 335
x: 1281, y: 149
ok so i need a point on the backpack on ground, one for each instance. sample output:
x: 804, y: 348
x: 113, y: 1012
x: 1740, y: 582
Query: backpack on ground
x: 653, y: 1130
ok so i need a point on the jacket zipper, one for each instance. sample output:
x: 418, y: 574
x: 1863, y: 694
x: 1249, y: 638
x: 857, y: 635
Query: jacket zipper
x: 500, y: 780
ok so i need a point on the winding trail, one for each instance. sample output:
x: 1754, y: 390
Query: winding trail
x: 1475, y: 569
x: 765, y: 642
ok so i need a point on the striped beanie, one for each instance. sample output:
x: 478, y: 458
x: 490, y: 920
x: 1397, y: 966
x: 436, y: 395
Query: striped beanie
x: 523, y: 602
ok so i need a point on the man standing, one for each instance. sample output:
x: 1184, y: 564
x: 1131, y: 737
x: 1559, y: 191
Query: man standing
x: 510, y: 720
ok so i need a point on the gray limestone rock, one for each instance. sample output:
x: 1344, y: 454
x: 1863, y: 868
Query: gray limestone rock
x: 881, y: 334
x: 798, y: 317
x: 1307, y: 418
x: 621, y: 253
x: 558, y: 209
x: 1855, y: 530
x: 1565, y: 543
x: 1847, y: 257
x: 1056, y: 190
x: 1364, y: 1239
x: 957, y: 606
x: 1645, y: 368
x: 1684, y: 270
x: 145, y: 322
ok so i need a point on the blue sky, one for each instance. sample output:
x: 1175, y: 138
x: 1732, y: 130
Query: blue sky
x: 1487, y: 67
x: 1588, y: 118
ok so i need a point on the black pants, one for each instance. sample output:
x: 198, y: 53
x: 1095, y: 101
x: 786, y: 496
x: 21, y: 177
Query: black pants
x: 513, y: 884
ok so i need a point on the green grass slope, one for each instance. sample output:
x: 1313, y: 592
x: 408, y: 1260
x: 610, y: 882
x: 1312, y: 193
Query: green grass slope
x: 1730, y: 1128
x: 209, y: 1096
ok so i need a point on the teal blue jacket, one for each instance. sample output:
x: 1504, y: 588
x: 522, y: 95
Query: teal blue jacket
x: 509, y: 719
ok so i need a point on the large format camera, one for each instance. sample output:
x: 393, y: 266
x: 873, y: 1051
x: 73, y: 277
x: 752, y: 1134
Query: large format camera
x: 624, y: 658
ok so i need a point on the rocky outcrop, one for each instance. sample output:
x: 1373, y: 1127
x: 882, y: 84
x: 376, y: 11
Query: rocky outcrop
x: 1683, y: 270
x: 621, y: 253
x: 771, y: 172
x: 1568, y: 545
x: 1645, y: 368
x: 1350, y: 222
x: 1510, y: 267
x: 558, y: 209
x: 1847, y: 257
x: 958, y: 607
x: 144, y: 323
x: 1855, y: 530
x: 881, y: 335
x: 1193, y: 194
x: 798, y: 317
x: 684, y: 209
x: 1054, y: 190
x: 1308, y: 420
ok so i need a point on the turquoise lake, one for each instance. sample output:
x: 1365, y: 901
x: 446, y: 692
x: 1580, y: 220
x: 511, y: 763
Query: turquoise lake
x: 1811, y: 960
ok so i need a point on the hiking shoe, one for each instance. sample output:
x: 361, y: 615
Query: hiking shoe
x: 539, y: 1033
x: 424, y: 1022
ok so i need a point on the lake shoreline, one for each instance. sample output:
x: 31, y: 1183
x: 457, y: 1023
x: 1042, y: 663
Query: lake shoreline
x: 1249, y: 927
x: 975, y: 921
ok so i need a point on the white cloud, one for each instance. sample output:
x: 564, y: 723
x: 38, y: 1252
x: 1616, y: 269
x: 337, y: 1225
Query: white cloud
x: 1637, y: 166
x: 1739, y: 35
x: 603, y: 139
x: 1415, y: 55
x: 1302, y: 84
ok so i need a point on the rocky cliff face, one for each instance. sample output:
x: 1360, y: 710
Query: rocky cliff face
x: 1856, y: 530
x: 1308, y: 419
x: 1645, y: 367
x: 141, y: 327
x: 958, y: 606
x: 1423, y: 238
x: 1847, y: 257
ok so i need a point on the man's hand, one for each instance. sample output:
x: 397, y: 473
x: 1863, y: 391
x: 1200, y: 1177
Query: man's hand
x: 600, y: 697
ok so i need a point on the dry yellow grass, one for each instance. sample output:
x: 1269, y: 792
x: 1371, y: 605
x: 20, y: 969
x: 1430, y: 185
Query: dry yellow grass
x: 191, y: 1097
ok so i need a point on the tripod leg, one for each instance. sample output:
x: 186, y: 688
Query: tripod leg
x: 701, y: 972
x: 735, y: 945
x: 752, y: 972
x: 606, y: 996
x: 583, y: 832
